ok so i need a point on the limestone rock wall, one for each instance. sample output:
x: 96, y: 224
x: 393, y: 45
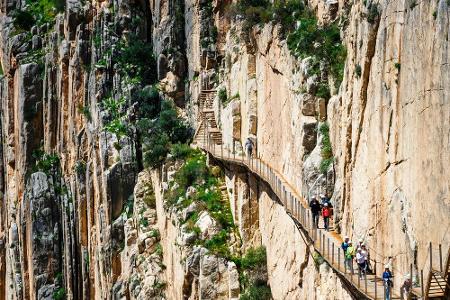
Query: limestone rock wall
x: 389, y: 129
x: 396, y: 117
x: 388, y: 126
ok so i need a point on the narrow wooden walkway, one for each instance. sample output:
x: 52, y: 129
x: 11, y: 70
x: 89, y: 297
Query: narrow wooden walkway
x: 326, y: 243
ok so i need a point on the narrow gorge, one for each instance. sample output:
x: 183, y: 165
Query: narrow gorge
x: 171, y: 149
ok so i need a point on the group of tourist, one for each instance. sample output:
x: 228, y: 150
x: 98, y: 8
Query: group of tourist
x: 358, y: 253
x: 323, y: 209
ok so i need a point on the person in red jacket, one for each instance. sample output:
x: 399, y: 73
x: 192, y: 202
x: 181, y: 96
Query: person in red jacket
x: 326, y: 214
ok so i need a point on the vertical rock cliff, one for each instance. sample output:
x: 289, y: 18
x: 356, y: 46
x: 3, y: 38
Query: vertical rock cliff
x: 102, y: 197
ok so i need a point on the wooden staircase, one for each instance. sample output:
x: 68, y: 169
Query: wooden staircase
x: 439, y: 282
x: 208, y: 129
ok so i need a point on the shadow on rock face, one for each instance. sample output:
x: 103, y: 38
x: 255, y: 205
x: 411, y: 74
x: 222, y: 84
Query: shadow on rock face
x: 120, y: 184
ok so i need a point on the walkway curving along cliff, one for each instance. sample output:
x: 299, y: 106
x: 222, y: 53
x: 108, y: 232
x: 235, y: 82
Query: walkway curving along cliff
x: 326, y: 243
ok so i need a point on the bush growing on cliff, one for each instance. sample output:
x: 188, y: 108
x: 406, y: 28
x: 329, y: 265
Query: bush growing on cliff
x: 59, y: 294
x: 158, y: 135
x: 45, y: 162
x: 326, y: 150
x: 136, y: 59
x: 37, y: 12
x: 322, y: 43
x: 253, y: 274
x: 307, y: 39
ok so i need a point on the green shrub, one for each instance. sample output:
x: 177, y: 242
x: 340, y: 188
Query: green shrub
x: 159, y: 250
x: 222, y: 94
x: 257, y: 292
x: 323, y: 91
x: 213, y: 34
x: 358, y: 71
x: 323, y: 44
x: 45, y: 11
x: 373, y: 13
x: 326, y: 150
x: 159, y: 135
x: 80, y: 167
x: 397, y: 66
x: 318, y: 259
x: 136, y: 59
x: 218, y: 244
x: 155, y: 149
x: 144, y: 222
x: 148, y: 102
x: 325, y: 164
x: 129, y: 206
x: 254, y: 258
x: 23, y: 20
x: 180, y: 151
x: 45, y: 162
x: 84, y: 110
x: 59, y: 294
x: 59, y: 278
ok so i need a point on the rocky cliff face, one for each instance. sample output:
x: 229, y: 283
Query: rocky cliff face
x: 82, y: 215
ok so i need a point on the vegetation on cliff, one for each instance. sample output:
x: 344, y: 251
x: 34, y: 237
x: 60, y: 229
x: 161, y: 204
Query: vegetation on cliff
x: 326, y: 150
x: 206, y: 182
x: 253, y: 275
x: 142, y: 115
x: 37, y: 12
x: 305, y: 36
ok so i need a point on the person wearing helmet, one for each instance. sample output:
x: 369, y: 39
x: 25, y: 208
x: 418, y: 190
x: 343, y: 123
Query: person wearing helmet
x: 315, y: 211
x: 387, y: 281
x: 361, y: 260
x: 349, y: 255
x: 326, y: 214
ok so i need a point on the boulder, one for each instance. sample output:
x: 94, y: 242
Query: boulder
x: 208, y: 226
x: 190, y: 191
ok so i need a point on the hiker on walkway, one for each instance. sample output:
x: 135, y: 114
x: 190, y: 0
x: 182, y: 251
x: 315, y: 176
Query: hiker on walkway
x: 326, y: 214
x: 360, y: 243
x: 249, y: 147
x: 349, y: 255
x: 325, y: 199
x: 315, y: 211
x: 344, y: 247
x: 387, y: 276
x: 405, y: 290
x: 361, y: 260
x: 365, y: 251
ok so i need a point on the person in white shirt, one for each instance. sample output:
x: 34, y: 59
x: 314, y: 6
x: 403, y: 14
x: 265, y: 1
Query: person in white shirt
x: 361, y: 260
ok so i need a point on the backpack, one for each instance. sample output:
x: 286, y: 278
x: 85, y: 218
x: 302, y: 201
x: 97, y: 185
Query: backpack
x: 326, y: 212
x: 344, y: 246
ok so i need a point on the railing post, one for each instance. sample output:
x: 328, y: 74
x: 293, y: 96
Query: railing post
x: 365, y: 282
x: 359, y: 277
x: 431, y: 256
x: 328, y: 247
x: 440, y: 256
x: 332, y: 253
x: 339, y: 258
x: 422, y: 284
x: 375, y: 279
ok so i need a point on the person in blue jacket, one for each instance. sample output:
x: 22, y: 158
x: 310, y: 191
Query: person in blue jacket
x: 387, y: 276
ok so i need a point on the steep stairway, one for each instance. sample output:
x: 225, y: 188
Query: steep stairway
x: 208, y: 130
x: 439, y: 282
